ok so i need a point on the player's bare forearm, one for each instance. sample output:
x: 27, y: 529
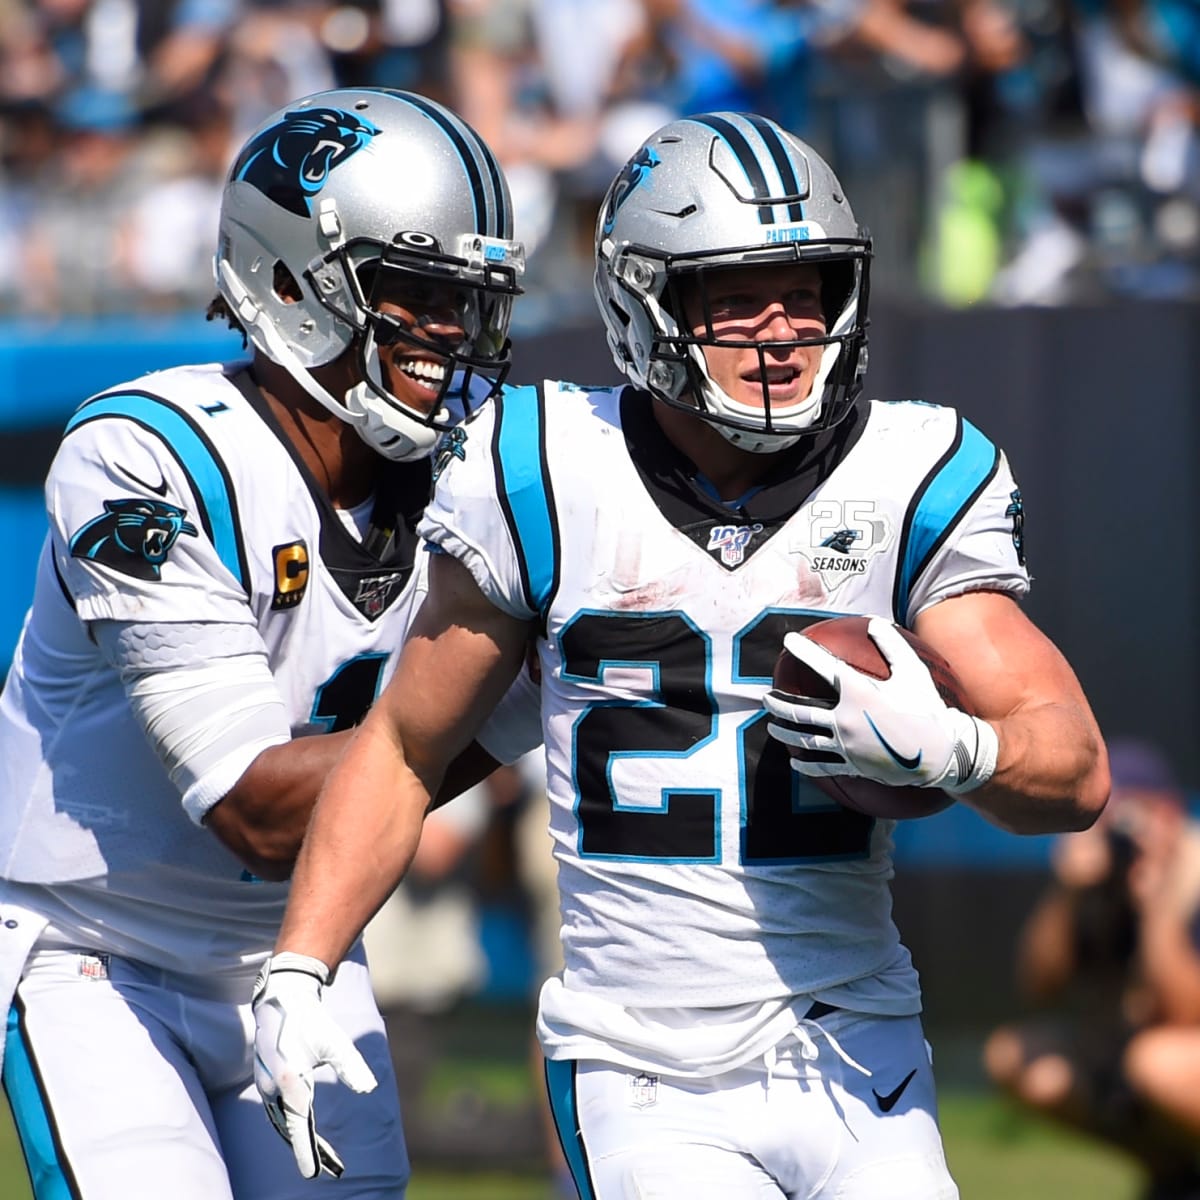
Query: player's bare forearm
x: 1051, y: 773
x: 460, y: 656
x: 263, y: 817
x: 362, y: 837
x: 471, y: 767
x: 1052, y: 770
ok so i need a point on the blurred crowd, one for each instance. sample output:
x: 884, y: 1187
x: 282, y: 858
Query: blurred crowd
x: 1108, y: 967
x: 1006, y: 151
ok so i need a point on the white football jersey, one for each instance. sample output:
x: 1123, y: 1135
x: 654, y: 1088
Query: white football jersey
x: 696, y: 869
x: 173, y: 499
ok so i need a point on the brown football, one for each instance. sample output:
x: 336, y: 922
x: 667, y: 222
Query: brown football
x: 847, y: 638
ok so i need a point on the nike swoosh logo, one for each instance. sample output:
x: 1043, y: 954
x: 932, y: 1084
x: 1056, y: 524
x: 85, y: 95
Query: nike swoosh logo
x: 888, y: 1102
x: 159, y: 490
x: 909, y: 764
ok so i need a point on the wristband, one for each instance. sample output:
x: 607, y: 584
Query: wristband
x: 974, y: 770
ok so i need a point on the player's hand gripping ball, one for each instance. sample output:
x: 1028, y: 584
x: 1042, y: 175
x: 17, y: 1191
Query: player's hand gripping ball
x: 877, y: 718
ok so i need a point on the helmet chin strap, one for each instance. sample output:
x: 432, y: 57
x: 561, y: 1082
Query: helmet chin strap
x: 389, y: 430
x: 755, y: 442
x: 759, y: 441
x: 262, y: 333
x: 364, y: 411
x: 721, y: 404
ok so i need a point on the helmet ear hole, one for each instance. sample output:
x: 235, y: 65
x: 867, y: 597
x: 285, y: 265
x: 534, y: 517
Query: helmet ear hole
x: 285, y: 284
x: 618, y: 312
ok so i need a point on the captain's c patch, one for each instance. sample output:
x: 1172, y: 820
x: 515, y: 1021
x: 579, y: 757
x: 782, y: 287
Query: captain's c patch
x: 291, y: 574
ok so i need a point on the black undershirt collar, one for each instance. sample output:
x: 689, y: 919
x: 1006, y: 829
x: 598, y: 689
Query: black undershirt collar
x: 689, y: 501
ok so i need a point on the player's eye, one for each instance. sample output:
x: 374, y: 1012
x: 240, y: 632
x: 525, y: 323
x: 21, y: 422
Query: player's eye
x: 732, y: 306
x: 803, y: 301
x: 435, y: 307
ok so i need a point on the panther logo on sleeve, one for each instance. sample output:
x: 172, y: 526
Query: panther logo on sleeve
x: 451, y: 445
x: 133, y: 536
x: 290, y: 162
x: 1016, y: 510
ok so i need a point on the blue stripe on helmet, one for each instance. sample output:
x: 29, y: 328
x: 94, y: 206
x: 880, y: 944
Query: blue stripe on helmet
x: 782, y: 158
x: 744, y: 153
x: 469, y: 155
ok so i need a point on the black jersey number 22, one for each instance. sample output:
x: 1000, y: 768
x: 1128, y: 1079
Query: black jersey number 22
x: 668, y: 663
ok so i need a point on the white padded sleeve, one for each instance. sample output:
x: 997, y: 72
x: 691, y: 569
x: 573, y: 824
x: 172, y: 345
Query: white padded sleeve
x: 515, y: 726
x: 205, y: 697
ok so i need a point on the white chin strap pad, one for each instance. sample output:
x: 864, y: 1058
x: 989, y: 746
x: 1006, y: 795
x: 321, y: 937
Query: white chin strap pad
x: 798, y: 419
x: 386, y: 429
x: 755, y: 442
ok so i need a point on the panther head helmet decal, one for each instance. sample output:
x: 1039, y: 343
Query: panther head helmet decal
x: 133, y: 536
x: 289, y: 162
x: 633, y: 175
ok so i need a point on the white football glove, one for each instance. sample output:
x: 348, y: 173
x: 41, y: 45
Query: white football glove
x: 898, y: 731
x: 294, y: 1035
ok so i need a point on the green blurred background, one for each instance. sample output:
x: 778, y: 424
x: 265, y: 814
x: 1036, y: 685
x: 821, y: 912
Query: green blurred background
x: 480, y: 1090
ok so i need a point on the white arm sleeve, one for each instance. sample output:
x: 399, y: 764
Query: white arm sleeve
x: 515, y: 726
x: 205, y: 697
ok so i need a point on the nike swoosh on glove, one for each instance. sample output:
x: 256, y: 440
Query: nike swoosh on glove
x: 293, y: 1036
x: 898, y: 731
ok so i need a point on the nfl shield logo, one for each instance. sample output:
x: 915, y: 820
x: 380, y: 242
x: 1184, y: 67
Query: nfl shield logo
x: 731, y: 541
x: 374, y: 595
x: 93, y: 966
x: 643, y: 1090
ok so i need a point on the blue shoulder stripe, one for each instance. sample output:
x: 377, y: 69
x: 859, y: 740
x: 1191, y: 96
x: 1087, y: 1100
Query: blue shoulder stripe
x: 195, y: 453
x: 951, y: 487
x: 523, y: 484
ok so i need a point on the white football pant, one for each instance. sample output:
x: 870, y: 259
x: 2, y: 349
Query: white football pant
x: 127, y: 1085
x: 810, y: 1125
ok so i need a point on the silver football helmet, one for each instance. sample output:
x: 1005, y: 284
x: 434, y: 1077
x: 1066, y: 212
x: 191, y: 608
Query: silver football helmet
x: 723, y: 190
x: 343, y: 195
